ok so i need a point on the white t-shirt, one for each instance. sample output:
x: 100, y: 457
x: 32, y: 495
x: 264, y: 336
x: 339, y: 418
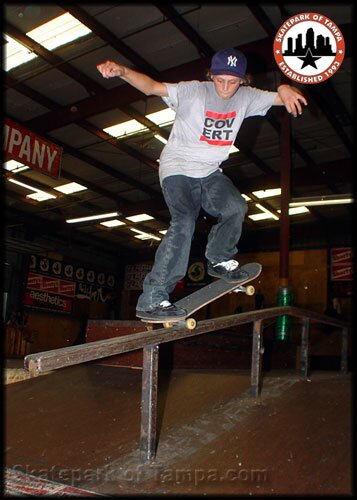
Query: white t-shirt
x: 206, y: 126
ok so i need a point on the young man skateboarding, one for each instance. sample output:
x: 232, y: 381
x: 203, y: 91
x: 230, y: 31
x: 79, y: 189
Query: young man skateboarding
x: 208, y: 117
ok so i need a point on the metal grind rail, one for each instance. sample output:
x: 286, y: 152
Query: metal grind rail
x: 150, y: 340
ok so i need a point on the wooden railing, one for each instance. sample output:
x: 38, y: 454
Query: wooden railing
x: 150, y: 339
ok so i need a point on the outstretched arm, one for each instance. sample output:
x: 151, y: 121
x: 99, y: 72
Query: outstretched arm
x: 291, y: 98
x: 138, y: 80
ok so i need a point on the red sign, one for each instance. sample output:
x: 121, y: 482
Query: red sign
x: 45, y: 300
x: 53, y: 285
x: 341, y: 264
x: 341, y: 255
x: 32, y: 150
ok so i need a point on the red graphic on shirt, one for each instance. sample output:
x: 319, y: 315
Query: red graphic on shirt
x: 218, y: 128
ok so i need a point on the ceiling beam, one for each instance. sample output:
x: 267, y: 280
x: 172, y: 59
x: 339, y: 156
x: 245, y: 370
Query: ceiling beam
x: 101, y: 134
x: 338, y: 172
x: 102, y: 32
x: 45, y: 101
x: 121, y: 203
x: 275, y: 123
x: 41, y: 226
x: 204, y: 50
x: 80, y: 78
x: 126, y: 94
x: 54, y: 60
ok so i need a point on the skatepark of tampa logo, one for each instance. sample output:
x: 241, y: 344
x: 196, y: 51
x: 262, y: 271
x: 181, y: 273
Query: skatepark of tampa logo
x: 309, y: 48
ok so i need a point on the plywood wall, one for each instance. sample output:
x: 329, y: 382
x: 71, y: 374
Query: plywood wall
x: 308, y: 279
x: 51, y: 331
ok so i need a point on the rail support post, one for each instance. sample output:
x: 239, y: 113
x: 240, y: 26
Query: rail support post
x: 304, y: 355
x: 344, y: 343
x: 149, y: 403
x: 257, y: 351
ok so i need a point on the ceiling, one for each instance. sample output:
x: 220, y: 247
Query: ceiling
x: 61, y: 96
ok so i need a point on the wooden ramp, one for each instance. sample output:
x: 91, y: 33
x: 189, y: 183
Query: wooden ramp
x: 78, y: 427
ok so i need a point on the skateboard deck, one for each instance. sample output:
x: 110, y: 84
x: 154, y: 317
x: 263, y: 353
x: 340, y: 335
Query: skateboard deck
x: 209, y: 293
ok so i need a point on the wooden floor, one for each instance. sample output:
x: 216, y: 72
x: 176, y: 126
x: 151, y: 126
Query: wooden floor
x: 80, y: 427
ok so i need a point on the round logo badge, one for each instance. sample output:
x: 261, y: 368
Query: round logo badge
x: 196, y: 271
x: 309, y: 48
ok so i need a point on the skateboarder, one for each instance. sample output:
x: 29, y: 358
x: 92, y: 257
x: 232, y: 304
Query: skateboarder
x: 208, y: 117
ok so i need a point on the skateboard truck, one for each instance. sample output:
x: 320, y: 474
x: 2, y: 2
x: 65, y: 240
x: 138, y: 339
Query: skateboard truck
x: 189, y: 323
x: 248, y: 290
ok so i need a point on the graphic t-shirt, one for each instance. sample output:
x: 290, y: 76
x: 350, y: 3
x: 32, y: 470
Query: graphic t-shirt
x: 206, y: 126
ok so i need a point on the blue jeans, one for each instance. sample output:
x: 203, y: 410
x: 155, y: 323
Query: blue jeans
x: 184, y: 197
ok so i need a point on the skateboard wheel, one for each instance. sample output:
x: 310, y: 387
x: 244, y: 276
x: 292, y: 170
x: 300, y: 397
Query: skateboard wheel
x: 190, y: 323
x: 167, y: 325
x: 250, y: 290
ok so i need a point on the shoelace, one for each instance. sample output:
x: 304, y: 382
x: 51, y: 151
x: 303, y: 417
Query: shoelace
x: 165, y: 303
x: 229, y: 265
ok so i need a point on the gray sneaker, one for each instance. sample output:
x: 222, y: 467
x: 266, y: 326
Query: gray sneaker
x: 228, y: 270
x: 164, y: 311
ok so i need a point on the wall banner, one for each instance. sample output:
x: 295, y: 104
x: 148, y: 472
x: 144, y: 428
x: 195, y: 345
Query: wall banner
x: 341, y: 264
x: 22, y: 145
x: 53, y: 284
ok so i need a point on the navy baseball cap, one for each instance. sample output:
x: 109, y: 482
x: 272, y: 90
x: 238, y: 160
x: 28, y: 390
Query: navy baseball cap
x: 229, y: 62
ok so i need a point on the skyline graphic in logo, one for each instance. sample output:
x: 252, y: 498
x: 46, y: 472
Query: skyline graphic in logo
x: 309, y: 48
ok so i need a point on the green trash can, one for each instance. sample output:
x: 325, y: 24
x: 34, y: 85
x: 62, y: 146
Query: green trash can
x: 283, y: 323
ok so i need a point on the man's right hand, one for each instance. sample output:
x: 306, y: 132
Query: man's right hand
x: 109, y: 69
x: 138, y: 80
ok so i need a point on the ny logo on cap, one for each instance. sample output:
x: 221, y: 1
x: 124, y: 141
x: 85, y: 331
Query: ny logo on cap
x: 232, y: 61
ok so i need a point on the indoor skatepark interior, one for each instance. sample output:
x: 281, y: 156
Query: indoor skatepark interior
x: 255, y: 399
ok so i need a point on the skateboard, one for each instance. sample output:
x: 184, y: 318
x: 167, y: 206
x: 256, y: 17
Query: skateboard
x: 209, y: 293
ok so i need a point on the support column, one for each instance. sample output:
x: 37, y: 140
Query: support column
x: 149, y: 403
x: 285, y: 169
x: 283, y: 325
x: 257, y: 352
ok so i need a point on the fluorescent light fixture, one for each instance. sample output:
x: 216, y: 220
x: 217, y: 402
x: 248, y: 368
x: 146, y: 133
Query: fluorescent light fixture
x: 43, y: 195
x: 161, y: 118
x: 263, y: 209
x: 322, y: 200
x: 15, y: 53
x: 71, y: 187
x: 260, y: 216
x: 144, y: 236
x: 59, y: 31
x: 267, y: 193
x: 15, y: 166
x: 139, y: 218
x: 161, y: 139
x: 123, y: 129
x: 93, y: 217
x: 40, y: 196
x: 246, y: 197
x: 163, y: 231
x: 55, y: 33
x: 113, y: 223
x: 292, y: 211
x: 297, y: 210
